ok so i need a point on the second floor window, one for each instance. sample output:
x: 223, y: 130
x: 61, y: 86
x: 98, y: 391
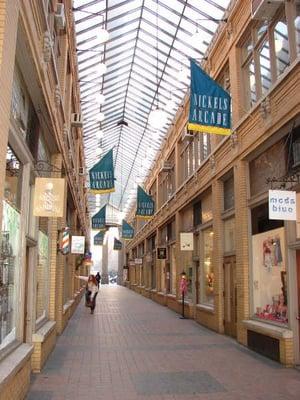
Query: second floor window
x: 266, y: 53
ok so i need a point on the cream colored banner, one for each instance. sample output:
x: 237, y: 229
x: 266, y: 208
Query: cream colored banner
x: 49, y: 194
x: 186, y: 241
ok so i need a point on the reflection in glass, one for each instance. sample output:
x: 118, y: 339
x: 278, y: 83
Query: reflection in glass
x: 297, y: 29
x: 281, y: 47
x: 252, y: 82
x: 265, y: 67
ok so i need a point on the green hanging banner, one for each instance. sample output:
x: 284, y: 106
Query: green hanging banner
x: 127, y: 230
x: 102, y: 178
x: 210, y: 110
x: 98, y: 220
x: 117, y: 244
x: 98, y: 239
x: 145, y: 204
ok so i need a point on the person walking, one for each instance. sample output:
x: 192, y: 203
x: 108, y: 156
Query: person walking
x: 98, y: 278
x: 92, y: 289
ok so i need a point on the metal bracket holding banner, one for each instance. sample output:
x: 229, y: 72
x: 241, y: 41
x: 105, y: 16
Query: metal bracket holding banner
x: 284, y: 182
x: 45, y: 166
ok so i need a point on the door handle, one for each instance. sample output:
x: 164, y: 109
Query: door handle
x: 298, y: 318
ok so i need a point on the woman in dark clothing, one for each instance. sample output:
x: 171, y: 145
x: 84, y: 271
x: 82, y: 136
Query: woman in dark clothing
x: 98, y: 278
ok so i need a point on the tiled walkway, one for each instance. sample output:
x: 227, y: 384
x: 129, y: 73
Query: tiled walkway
x: 134, y: 349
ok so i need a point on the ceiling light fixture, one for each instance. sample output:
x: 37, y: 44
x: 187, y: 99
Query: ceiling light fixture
x: 98, y: 151
x: 102, y: 34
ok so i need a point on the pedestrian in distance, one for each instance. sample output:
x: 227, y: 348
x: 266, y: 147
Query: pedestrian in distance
x: 91, y: 290
x: 98, y: 278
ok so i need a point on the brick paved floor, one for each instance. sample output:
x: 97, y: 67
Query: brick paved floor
x: 135, y: 349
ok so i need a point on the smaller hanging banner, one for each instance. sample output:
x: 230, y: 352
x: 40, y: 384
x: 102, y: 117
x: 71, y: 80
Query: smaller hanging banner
x: 78, y: 244
x: 161, y: 253
x: 98, y: 220
x: 49, y: 195
x: 282, y: 205
x: 117, y: 244
x: 127, y: 230
x: 145, y: 204
x: 98, y: 239
x: 210, y: 110
x: 102, y: 178
x: 186, y: 241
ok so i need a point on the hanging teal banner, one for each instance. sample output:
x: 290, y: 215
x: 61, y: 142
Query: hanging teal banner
x: 210, y: 110
x: 117, y: 244
x: 127, y: 230
x: 145, y: 204
x: 98, y: 239
x: 98, y: 220
x: 102, y: 178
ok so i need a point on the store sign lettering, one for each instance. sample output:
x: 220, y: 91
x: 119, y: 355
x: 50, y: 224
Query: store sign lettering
x: 282, y: 205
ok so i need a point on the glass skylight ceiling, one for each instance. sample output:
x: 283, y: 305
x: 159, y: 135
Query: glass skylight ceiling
x: 147, y: 59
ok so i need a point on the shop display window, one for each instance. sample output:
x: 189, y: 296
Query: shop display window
x: 269, y: 276
x: 207, y: 271
x: 10, y: 250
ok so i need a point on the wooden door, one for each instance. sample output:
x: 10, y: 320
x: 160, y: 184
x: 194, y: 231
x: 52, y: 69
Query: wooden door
x: 230, y: 298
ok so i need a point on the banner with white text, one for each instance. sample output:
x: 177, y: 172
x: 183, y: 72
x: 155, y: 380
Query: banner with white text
x: 210, y: 104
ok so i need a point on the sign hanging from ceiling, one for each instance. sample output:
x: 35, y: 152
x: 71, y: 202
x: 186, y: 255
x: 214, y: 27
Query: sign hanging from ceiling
x: 49, y: 195
x: 77, y: 246
x: 102, y: 178
x: 161, y: 253
x: 282, y: 205
x: 210, y: 104
x: 145, y: 204
x: 117, y: 244
x: 98, y: 239
x: 186, y: 241
x: 98, y: 220
x: 127, y: 230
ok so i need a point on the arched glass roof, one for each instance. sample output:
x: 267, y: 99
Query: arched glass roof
x: 147, y: 59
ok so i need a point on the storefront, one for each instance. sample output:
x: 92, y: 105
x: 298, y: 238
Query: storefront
x: 10, y: 264
x: 271, y: 329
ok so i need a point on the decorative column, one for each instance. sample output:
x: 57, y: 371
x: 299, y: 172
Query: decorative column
x: 218, y: 240
x: 178, y: 251
x: 242, y: 247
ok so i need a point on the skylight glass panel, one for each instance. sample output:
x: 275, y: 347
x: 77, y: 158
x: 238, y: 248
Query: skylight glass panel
x: 168, y: 24
x: 124, y: 8
x: 165, y: 37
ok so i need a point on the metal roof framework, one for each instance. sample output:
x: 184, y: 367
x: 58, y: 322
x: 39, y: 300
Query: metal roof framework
x: 147, y: 59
